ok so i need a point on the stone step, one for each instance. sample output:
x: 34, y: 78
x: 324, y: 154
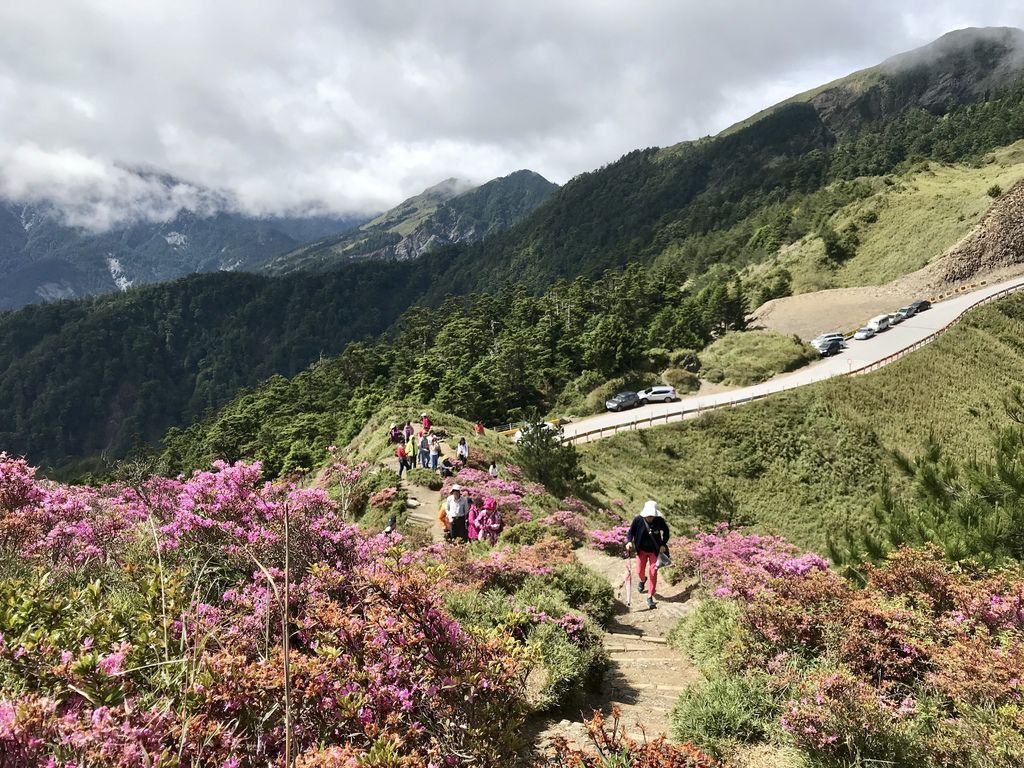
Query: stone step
x: 623, y: 636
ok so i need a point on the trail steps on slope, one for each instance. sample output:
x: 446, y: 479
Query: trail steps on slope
x: 645, y: 675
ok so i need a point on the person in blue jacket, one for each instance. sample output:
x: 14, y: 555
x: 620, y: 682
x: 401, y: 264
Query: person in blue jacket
x: 648, y: 537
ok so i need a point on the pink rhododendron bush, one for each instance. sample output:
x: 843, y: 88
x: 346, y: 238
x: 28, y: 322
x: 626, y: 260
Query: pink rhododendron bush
x: 923, y: 665
x: 142, y: 626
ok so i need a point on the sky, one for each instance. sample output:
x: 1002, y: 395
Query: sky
x: 343, y: 106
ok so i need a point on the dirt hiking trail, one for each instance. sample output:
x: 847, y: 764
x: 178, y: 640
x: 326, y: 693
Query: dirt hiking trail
x: 645, y: 675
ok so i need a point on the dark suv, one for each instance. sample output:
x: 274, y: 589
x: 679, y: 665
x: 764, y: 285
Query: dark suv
x: 834, y: 347
x: 920, y: 306
x: 623, y: 401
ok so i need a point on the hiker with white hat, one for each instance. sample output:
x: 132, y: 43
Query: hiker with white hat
x: 648, y: 537
x: 456, y: 508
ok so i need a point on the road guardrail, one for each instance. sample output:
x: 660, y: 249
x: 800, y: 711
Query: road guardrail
x: 692, y: 412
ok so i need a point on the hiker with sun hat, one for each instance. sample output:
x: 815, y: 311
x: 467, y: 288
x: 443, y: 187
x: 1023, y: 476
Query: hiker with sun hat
x: 456, y: 508
x: 648, y: 537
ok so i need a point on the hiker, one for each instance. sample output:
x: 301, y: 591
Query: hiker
x: 396, y: 434
x: 488, y: 522
x: 392, y: 524
x: 425, y: 421
x: 472, y: 520
x: 462, y: 451
x: 446, y: 468
x: 411, y: 450
x: 424, y: 450
x: 401, y: 455
x: 478, y: 428
x: 648, y: 536
x: 409, y: 430
x: 493, y: 469
x: 435, y: 451
x: 456, y: 509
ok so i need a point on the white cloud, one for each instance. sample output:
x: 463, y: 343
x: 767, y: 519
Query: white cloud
x: 318, y: 105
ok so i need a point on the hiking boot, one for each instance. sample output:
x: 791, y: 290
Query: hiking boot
x: 642, y: 587
x: 651, y: 604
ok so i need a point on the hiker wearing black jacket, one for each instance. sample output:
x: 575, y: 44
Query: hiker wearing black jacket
x: 648, y: 537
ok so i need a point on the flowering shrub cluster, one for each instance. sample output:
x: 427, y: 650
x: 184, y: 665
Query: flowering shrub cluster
x: 922, y: 665
x: 740, y: 564
x: 509, y: 495
x: 612, y: 541
x: 161, y: 642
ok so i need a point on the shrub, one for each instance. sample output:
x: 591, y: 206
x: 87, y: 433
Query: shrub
x: 425, y: 477
x: 613, y: 748
x: 994, y: 191
x: 544, y: 459
x: 682, y: 379
x: 585, y: 590
x: 612, y: 541
x: 524, y: 533
x: 749, y: 357
x: 716, y: 713
x: 710, y: 635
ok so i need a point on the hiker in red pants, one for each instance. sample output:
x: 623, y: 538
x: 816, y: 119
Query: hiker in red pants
x: 648, y: 537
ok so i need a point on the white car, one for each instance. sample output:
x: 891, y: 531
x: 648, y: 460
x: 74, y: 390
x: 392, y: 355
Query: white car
x: 519, y: 432
x: 659, y: 394
x: 863, y: 333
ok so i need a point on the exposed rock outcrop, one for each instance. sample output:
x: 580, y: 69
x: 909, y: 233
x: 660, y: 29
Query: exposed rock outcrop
x: 998, y: 241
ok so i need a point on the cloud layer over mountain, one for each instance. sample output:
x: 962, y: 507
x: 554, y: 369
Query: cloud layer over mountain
x: 340, y: 107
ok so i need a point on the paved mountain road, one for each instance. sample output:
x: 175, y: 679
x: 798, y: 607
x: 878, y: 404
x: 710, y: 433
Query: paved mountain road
x: 857, y: 356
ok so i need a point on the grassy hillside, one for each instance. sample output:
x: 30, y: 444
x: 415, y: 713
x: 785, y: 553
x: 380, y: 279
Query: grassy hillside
x: 803, y: 463
x: 903, y: 222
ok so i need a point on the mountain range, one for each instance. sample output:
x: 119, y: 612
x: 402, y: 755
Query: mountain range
x: 167, y: 354
x: 43, y: 259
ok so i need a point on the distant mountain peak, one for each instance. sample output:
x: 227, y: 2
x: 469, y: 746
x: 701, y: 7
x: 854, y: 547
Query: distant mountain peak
x: 451, y: 211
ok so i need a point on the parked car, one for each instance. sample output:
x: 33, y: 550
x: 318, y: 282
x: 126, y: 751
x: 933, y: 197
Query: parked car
x: 895, y: 318
x: 834, y: 347
x: 878, y: 323
x: 863, y: 333
x: 920, y: 305
x: 903, y: 313
x: 550, y: 426
x: 658, y: 394
x: 623, y: 401
x: 827, y: 338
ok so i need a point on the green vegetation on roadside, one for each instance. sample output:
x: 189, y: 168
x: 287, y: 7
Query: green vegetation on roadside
x: 741, y: 359
x: 813, y: 461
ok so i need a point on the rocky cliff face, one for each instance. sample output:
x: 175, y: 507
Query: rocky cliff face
x: 998, y: 241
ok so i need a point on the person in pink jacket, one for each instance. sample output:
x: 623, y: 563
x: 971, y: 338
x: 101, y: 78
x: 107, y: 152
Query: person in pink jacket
x: 489, y: 522
x: 473, y: 520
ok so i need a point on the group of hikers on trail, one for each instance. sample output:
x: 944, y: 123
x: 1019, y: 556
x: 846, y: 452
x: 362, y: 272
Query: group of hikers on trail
x: 423, y: 449
x: 467, y: 519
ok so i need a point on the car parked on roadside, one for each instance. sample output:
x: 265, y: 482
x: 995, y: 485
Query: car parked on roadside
x: 903, y: 313
x: 834, y: 347
x: 895, y: 318
x: 623, y: 402
x: 547, y: 425
x: 921, y: 305
x: 825, y: 339
x: 863, y: 333
x: 659, y: 394
x: 878, y: 323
